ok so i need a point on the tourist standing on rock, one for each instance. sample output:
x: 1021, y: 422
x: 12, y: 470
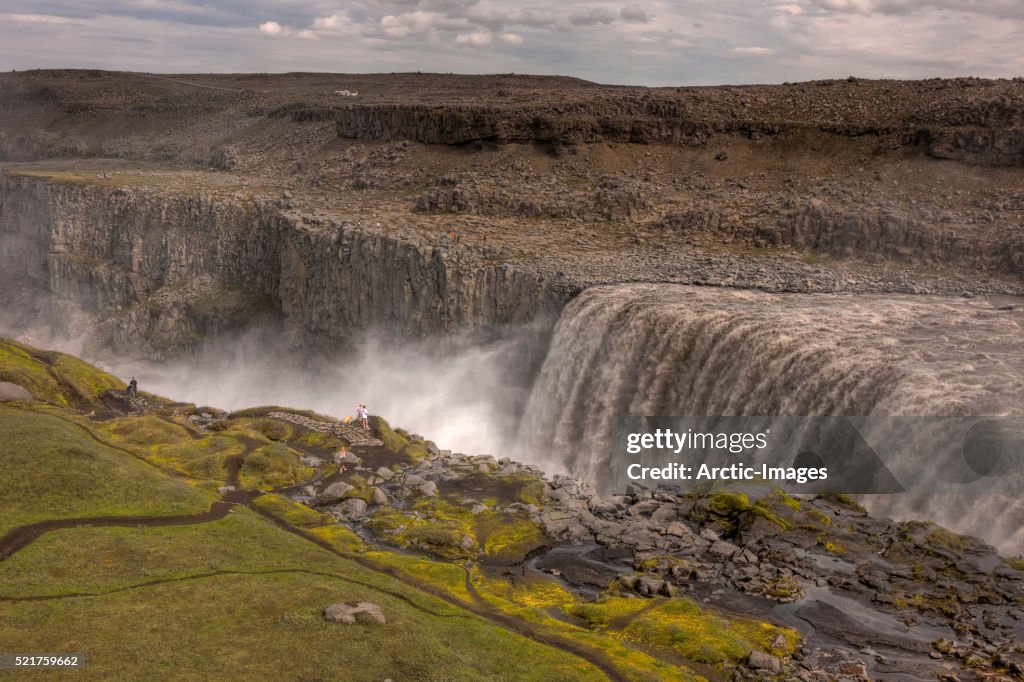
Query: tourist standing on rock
x: 364, y: 415
x: 133, y: 388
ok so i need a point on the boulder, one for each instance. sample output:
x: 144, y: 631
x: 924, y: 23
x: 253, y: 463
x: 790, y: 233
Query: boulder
x: 379, y: 497
x: 353, y: 507
x: 336, y: 490
x: 9, y: 391
x: 350, y: 613
x: 427, y: 488
x: 761, y: 661
x: 385, y: 474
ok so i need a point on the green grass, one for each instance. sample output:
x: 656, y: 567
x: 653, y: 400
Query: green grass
x: 18, y: 367
x: 273, y: 466
x: 290, y: 512
x: 680, y: 624
x: 54, y: 377
x: 52, y: 469
x: 270, y: 626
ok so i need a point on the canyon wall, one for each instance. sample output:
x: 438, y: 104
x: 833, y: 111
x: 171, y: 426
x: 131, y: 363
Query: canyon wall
x: 161, y: 269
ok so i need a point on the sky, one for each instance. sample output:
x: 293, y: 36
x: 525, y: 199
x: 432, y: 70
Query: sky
x: 641, y: 42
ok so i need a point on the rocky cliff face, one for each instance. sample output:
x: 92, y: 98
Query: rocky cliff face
x: 159, y: 269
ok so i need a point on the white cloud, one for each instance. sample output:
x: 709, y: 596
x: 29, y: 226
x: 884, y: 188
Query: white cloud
x: 394, y: 26
x: 271, y: 28
x: 512, y: 38
x: 338, y: 22
x: 997, y: 8
x: 476, y: 39
x: 752, y: 50
x: 36, y: 19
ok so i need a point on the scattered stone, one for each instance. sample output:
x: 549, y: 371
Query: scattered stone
x: 350, y: 613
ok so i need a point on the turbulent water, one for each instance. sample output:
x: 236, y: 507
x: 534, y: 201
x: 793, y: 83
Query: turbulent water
x: 677, y: 350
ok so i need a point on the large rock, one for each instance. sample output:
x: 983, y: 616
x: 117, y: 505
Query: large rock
x: 9, y: 391
x: 350, y: 613
x: 761, y: 661
x: 353, y: 507
x: 336, y: 490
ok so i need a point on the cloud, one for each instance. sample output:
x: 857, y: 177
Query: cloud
x: 35, y: 19
x: 477, y: 39
x: 652, y: 42
x: 271, y: 28
x: 635, y: 14
x: 996, y: 8
x: 592, y: 17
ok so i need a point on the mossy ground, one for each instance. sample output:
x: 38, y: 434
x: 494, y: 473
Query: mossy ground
x: 439, y: 526
x: 680, y: 624
x: 54, y: 469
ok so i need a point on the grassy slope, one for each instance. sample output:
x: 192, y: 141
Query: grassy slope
x: 53, y: 469
x: 228, y: 626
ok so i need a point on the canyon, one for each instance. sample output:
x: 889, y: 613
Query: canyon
x: 507, y: 263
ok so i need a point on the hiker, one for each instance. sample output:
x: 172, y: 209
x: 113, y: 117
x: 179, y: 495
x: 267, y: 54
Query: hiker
x: 364, y: 415
x: 133, y: 388
x: 340, y: 457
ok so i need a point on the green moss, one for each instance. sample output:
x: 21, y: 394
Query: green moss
x: 946, y: 539
x: 392, y: 440
x: 679, y: 623
x: 17, y: 366
x: 790, y: 502
x: 1016, y: 563
x: 272, y: 466
x: 726, y: 503
x: 762, y: 509
x: 507, y: 539
x: 290, y: 512
x: 532, y: 492
x: 54, y: 469
x: 339, y: 537
x: 320, y: 441
x: 86, y: 382
x: 530, y: 591
x: 834, y: 546
x: 843, y: 500
x: 820, y: 517
x: 272, y: 429
x: 783, y: 588
x: 385, y: 521
x: 415, y: 451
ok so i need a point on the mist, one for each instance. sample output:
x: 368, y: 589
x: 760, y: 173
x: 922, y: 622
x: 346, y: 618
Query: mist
x: 465, y: 397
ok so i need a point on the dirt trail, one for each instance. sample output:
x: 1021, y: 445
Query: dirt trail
x: 215, y: 574
x: 21, y: 537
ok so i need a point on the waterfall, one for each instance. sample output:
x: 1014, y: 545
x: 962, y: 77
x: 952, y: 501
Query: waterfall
x: 650, y: 349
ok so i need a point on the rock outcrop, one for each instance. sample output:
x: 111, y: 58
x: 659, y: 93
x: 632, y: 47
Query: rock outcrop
x: 161, y: 270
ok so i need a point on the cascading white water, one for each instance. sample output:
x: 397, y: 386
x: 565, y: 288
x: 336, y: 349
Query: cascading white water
x: 677, y: 350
